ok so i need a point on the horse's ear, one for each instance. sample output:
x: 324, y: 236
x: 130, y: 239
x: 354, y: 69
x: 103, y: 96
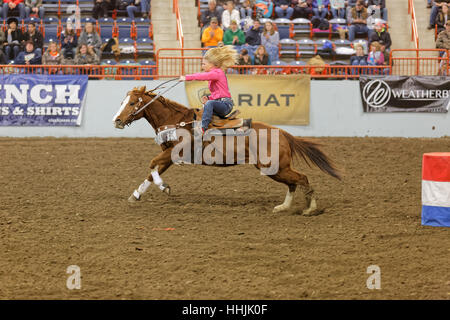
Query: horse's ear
x: 142, y: 89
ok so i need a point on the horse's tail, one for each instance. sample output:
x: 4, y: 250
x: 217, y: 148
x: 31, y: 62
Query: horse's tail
x: 310, y: 150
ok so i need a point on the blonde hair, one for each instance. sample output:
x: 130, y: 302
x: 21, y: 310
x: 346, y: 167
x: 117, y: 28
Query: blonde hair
x: 376, y: 45
x: 222, y: 56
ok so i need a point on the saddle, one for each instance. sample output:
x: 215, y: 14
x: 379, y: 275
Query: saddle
x: 230, y: 121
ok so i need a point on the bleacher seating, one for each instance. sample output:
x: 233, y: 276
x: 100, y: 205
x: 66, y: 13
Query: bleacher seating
x: 136, y: 33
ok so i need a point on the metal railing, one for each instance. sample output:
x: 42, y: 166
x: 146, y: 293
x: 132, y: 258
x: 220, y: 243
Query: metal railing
x: 112, y: 72
x: 180, y: 35
x: 403, y: 64
x: 414, y: 32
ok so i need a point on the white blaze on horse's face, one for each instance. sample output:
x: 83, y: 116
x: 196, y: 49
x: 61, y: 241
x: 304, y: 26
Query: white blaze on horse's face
x: 122, y: 107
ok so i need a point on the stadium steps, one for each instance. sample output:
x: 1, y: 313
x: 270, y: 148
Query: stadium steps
x: 189, y: 20
x: 399, y: 24
x: 426, y: 36
x: 164, y: 25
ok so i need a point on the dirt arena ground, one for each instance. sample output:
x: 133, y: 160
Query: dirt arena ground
x: 64, y: 202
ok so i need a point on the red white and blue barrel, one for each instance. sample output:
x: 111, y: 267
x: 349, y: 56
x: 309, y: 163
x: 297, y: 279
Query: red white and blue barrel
x: 436, y: 189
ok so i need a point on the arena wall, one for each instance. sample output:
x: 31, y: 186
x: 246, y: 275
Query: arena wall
x: 336, y: 110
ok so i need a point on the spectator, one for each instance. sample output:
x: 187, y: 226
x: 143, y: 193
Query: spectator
x: 350, y: 5
x: 69, y: 42
x: 212, y: 11
x: 213, y: 34
x: 357, y: 20
x: 244, y: 58
x: 234, y: 36
x: 375, y: 57
x: 380, y: 7
x: 246, y: 10
x: 229, y: 15
x: 302, y: 9
x: 380, y: 34
x: 261, y: 57
x: 52, y: 56
x: 442, y: 18
x: 434, y: 11
x: 320, y: 8
x: 264, y: 8
x: 100, y: 9
x: 359, y: 59
x: 13, y: 5
x: 283, y: 9
x: 86, y: 55
x: 34, y: 35
x: 29, y: 56
x: 90, y: 37
x: 137, y: 5
x: 34, y: 8
x: 253, y: 35
x: 385, y: 53
x: 13, y: 40
x: 2, y: 41
x: 270, y: 40
x: 338, y: 9
x: 443, y: 39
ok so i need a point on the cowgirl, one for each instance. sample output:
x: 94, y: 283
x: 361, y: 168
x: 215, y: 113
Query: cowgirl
x: 215, y: 62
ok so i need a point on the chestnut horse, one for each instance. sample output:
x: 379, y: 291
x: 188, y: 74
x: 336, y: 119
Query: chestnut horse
x: 163, y: 113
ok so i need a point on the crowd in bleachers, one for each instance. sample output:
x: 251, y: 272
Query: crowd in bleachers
x: 293, y: 29
x: 440, y: 22
x: 56, y: 32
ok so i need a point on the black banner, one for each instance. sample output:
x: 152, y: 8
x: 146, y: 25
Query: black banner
x: 405, y: 94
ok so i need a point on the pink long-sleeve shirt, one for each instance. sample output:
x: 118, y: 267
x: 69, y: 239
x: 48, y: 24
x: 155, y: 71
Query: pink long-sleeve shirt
x: 217, y: 82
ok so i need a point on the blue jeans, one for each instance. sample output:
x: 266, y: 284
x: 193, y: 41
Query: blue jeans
x: 11, y: 51
x: 41, y: 12
x: 246, y: 13
x: 433, y: 15
x: 20, y: 7
x: 144, y: 7
x: 338, y: 13
x: 287, y: 14
x: 221, y: 108
x: 356, y: 28
x: 321, y: 14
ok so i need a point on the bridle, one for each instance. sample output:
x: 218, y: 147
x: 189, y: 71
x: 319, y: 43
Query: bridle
x: 138, y: 110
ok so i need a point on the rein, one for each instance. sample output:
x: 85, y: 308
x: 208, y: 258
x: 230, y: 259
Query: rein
x: 156, y: 97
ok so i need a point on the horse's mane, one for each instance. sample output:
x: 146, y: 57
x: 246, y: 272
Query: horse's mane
x: 168, y: 103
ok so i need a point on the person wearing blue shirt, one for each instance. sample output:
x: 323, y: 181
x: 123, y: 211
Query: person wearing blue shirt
x: 30, y: 56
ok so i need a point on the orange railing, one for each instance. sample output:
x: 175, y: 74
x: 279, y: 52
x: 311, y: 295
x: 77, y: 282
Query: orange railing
x: 116, y: 72
x: 414, y: 32
x: 436, y: 62
x: 180, y: 35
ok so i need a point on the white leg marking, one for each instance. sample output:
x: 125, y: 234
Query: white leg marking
x: 156, y: 178
x: 287, y: 202
x: 158, y: 181
x: 312, y: 207
x: 144, y: 186
x: 140, y: 191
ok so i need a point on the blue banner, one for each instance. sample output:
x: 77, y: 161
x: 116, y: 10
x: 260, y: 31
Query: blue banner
x: 42, y: 100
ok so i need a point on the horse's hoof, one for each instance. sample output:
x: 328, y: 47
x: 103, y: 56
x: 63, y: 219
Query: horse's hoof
x: 167, y: 191
x: 310, y: 213
x: 133, y: 199
x: 279, y: 208
x: 165, y: 188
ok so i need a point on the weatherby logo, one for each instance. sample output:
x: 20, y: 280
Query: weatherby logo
x: 376, y: 93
